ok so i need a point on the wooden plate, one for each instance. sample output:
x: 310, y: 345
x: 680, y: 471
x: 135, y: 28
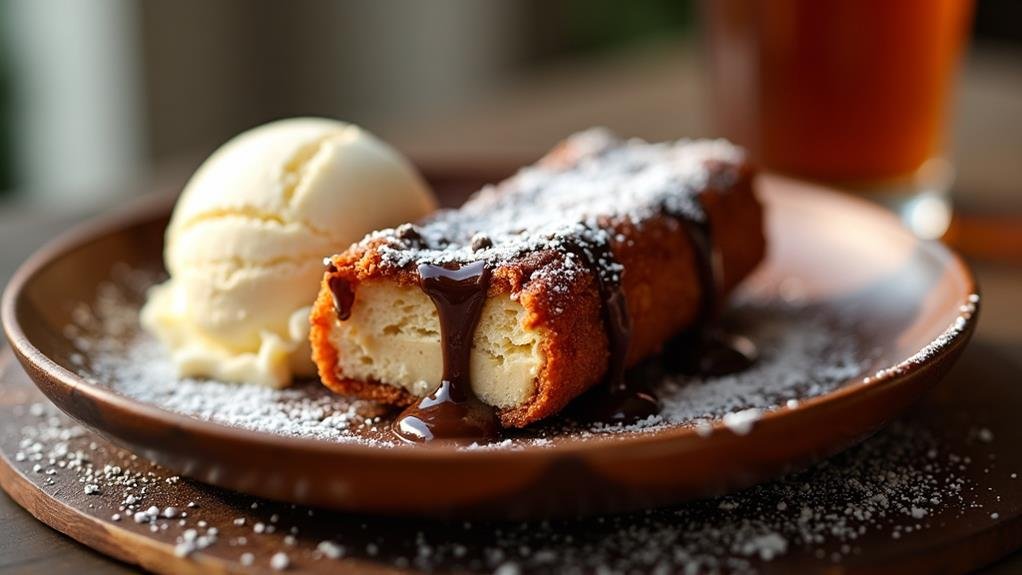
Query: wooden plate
x: 915, y: 309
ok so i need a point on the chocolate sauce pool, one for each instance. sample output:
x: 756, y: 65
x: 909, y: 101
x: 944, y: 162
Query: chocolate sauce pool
x: 452, y: 411
x: 709, y: 354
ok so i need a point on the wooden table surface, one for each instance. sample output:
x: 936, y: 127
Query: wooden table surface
x: 655, y: 94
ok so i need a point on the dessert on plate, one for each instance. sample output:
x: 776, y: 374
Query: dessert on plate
x: 497, y: 314
x: 501, y: 312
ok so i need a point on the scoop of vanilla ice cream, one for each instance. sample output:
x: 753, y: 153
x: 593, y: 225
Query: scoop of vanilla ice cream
x: 246, y: 243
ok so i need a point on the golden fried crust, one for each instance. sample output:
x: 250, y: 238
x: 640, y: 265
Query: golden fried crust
x: 660, y: 282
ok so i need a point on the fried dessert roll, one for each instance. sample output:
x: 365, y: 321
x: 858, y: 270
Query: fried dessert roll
x: 593, y: 258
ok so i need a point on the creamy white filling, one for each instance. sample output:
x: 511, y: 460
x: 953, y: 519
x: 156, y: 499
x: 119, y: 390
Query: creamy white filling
x: 393, y: 337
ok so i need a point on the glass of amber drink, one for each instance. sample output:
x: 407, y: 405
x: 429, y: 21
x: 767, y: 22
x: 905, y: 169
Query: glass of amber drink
x: 850, y: 92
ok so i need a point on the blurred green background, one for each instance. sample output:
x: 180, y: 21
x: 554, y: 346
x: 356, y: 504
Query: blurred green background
x: 153, y: 81
x: 97, y: 96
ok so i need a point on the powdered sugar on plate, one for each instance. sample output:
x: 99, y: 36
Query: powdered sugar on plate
x: 965, y: 313
x: 905, y: 481
x: 114, y: 351
x: 307, y: 410
x: 803, y: 354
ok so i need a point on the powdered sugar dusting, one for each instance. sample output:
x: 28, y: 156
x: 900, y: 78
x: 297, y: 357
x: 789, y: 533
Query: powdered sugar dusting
x: 741, y: 422
x: 957, y: 327
x: 902, y: 482
x: 573, y: 197
x: 115, y: 351
x: 308, y: 410
x: 803, y: 354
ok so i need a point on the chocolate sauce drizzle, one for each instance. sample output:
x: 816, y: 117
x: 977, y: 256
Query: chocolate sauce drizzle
x: 702, y: 351
x: 452, y: 411
x: 695, y: 352
x: 618, y: 399
x: 707, y: 264
x: 343, y: 295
